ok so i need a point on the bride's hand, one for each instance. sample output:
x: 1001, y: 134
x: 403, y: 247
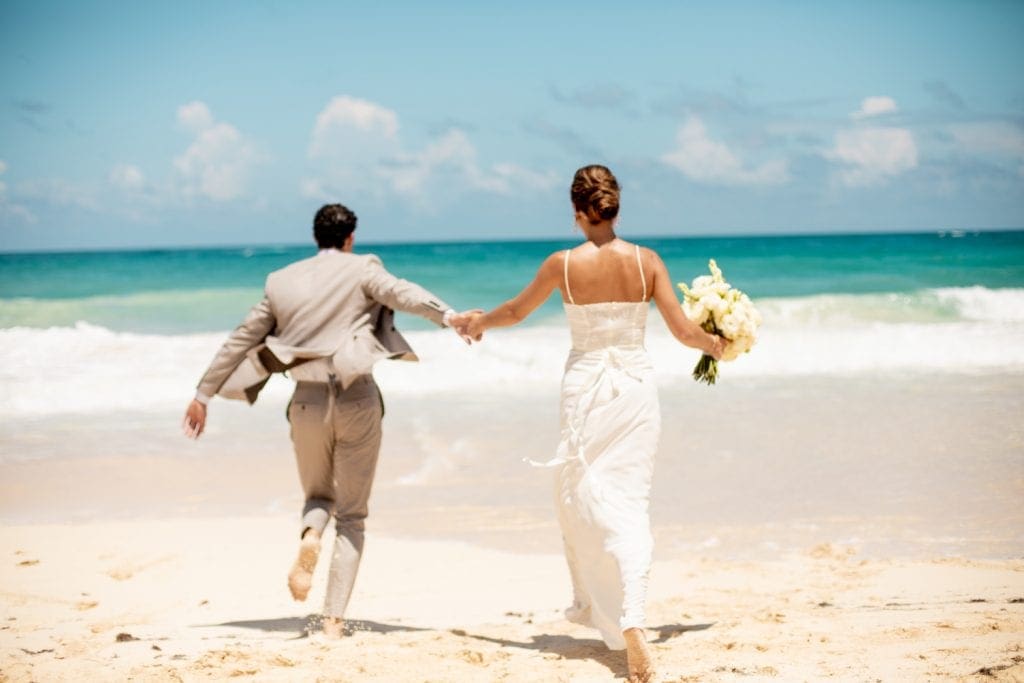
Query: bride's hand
x: 475, y: 328
x: 719, y: 347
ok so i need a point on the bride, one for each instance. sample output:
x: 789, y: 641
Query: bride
x: 609, y: 410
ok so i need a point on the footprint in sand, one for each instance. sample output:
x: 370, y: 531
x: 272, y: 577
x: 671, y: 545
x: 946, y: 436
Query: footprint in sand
x: 481, y: 658
x: 829, y: 551
x: 127, y: 570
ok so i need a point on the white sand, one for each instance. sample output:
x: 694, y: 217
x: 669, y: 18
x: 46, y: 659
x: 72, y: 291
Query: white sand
x: 206, y: 598
x: 825, y: 539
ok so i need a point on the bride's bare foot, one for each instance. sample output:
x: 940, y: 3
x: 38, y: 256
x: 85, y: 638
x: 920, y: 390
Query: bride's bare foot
x: 578, y: 614
x: 334, y: 627
x: 641, y: 668
x: 300, y: 578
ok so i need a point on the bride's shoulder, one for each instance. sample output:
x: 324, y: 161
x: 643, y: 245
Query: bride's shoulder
x: 553, y: 262
x: 651, y: 260
x: 556, y: 256
x: 647, y: 254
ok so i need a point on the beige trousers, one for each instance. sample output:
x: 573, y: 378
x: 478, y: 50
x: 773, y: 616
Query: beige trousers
x: 336, y: 445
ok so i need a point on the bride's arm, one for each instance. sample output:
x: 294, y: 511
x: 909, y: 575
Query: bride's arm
x: 515, y: 310
x: 682, y: 328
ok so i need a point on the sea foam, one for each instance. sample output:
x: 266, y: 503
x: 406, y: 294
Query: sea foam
x: 91, y: 369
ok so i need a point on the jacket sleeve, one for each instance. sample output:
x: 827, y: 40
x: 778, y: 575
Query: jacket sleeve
x: 254, y: 329
x: 401, y: 295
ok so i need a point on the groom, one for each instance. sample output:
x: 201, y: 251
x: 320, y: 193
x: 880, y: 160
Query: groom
x: 327, y: 320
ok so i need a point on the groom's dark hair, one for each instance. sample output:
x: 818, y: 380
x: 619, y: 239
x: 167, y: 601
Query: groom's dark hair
x: 332, y: 225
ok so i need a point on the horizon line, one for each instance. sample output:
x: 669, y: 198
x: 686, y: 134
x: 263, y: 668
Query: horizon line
x: 508, y: 240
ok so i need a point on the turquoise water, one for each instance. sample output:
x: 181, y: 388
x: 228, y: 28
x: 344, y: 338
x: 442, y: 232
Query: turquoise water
x: 196, y: 290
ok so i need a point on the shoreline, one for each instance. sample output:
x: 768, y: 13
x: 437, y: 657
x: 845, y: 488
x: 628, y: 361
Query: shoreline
x: 920, y: 468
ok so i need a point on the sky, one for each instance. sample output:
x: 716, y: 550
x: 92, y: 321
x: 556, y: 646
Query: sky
x: 127, y: 125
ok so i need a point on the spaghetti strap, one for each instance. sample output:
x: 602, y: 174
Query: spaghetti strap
x: 568, y: 291
x: 640, y: 263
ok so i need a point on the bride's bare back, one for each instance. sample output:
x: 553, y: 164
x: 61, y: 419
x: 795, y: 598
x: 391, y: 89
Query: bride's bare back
x: 614, y: 271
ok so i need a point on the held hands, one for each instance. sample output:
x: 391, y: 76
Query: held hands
x: 195, y: 420
x: 461, y: 323
x: 475, y: 327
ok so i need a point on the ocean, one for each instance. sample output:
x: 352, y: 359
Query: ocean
x: 128, y: 330
x: 879, y: 408
x: 928, y: 277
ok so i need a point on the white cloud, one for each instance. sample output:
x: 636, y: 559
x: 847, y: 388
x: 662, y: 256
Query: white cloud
x: 454, y: 156
x: 356, y: 147
x: 875, y: 106
x: 705, y: 160
x: 3, y: 166
x: 513, y: 176
x: 195, y: 116
x: 872, y: 155
x: 218, y: 162
x: 343, y: 116
x: 127, y: 177
x: 451, y: 153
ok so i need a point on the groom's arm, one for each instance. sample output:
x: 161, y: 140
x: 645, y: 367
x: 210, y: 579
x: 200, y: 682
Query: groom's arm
x: 254, y: 329
x: 402, y: 295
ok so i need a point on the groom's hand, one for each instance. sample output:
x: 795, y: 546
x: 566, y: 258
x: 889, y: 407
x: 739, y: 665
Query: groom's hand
x: 195, y: 419
x: 460, y: 322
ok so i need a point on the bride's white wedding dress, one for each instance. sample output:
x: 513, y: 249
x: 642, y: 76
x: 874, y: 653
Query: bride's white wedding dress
x: 610, y: 427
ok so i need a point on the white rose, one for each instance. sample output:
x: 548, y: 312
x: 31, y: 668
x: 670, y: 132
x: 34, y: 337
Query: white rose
x: 696, y: 312
x: 710, y: 302
x: 730, y: 327
x: 702, y: 281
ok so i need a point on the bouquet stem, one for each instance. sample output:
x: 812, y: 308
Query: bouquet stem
x: 706, y: 369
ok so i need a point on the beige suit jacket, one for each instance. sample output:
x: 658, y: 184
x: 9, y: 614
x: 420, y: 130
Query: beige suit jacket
x: 335, y: 305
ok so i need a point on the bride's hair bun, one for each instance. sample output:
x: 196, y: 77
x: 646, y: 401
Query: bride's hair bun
x: 595, y: 193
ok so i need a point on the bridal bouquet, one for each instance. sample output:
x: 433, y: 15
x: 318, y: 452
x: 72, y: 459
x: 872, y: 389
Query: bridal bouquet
x: 720, y: 308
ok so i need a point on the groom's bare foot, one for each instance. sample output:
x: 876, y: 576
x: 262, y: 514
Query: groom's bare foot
x: 641, y: 668
x: 334, y: 628
x: 300, y: 578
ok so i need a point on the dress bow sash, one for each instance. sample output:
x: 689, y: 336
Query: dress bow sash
x: 613, y: 369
